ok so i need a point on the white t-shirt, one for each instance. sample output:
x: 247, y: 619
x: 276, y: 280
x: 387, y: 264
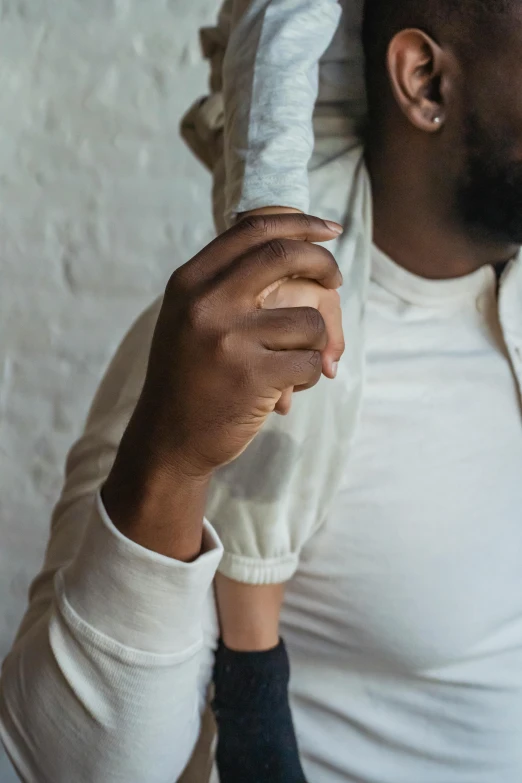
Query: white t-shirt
x: 404, y: 620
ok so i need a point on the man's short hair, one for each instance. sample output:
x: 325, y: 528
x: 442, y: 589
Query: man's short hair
x: 462, y: 23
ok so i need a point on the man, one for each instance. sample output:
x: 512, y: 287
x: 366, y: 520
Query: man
x: 404, y: 617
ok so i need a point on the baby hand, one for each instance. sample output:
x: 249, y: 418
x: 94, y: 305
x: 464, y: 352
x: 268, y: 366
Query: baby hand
x: 299, y: 292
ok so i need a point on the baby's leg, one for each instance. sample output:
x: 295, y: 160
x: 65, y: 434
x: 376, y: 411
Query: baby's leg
x: 256, y: 737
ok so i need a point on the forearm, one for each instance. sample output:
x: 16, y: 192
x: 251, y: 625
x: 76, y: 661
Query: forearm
x: 153, y: 502
x: 106, y: 684
x: 108, y: 674
x: 248, y: 614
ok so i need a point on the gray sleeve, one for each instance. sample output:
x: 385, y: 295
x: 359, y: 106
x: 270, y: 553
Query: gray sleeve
x: 270, y: 85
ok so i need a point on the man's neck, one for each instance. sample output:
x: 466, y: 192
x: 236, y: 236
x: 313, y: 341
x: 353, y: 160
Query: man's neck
x: 418, y: 229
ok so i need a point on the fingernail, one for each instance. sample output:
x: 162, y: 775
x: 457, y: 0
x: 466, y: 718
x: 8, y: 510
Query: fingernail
x: 335, y: 367
x: 335, y: 227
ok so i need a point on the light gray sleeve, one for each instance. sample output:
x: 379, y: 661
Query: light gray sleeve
x: 107, y: 678
x: 270, y: 85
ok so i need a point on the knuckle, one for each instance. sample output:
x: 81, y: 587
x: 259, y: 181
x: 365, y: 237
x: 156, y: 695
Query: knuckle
x: 314, y: 360
x: 226, y: 346
x: 311, y: 367
x: 178, y: 283
x: 322, y: 259
x: 276, y: 250
x: 314, y: 320
x: 200, y: 314
x: 327, y: 255
x: 306, y: 221
x: 255, y: 225
x: 235, y: 357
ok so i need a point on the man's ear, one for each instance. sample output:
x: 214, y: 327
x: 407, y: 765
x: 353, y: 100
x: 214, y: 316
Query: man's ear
x: 417, y: 70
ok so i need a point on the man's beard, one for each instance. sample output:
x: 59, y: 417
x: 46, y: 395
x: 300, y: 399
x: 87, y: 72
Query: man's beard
x: 490, y: 191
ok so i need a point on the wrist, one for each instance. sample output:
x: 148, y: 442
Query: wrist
x: 159, y: 504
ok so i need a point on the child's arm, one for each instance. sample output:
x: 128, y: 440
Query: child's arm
x: 270, y: 84
x: 256, y: 736
x: 248, y: 614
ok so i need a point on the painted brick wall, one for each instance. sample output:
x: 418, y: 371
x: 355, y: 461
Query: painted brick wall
x: 99, y: 201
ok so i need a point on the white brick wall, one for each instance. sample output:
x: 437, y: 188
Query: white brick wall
x: 99, y: 201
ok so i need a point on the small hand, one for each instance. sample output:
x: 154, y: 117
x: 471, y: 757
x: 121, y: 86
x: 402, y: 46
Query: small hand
x: 287, y: 293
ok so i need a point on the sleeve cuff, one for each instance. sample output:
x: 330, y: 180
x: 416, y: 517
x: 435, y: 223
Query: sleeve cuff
x: 255, y: 571
x: 268, y: 193
x: 138, y: 598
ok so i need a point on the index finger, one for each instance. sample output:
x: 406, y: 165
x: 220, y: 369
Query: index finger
x: 256, y: 230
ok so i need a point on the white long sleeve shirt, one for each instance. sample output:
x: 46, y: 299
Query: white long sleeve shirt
x: 107, y: 679
x: 403, y: 618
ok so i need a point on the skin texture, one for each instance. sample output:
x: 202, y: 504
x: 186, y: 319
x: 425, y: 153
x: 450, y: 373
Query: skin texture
x: 426, y: 175
x: 219, y: 364
x: 248, y: 614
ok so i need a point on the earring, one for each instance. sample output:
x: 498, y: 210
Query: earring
x: 437, y: 119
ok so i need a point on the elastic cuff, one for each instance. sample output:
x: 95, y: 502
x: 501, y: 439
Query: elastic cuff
x: 254, y: 571
x: 136, y: 597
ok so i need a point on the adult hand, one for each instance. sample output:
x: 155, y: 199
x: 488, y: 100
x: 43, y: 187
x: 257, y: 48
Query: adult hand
x: 220, y: 361
x: 306, y: 293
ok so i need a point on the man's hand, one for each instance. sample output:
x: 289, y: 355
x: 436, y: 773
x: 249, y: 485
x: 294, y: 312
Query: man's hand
x: 220, y: 361
x: 307, y: 293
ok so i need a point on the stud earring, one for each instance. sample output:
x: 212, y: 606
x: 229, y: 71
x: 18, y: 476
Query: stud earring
x: 437, y: 119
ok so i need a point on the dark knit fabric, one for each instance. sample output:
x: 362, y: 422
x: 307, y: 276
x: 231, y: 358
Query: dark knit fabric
x: 256, y: 737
